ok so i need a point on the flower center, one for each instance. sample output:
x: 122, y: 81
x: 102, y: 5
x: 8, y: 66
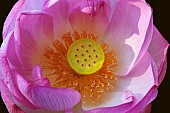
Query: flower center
x: 83, y: 63
x: 85, y: 56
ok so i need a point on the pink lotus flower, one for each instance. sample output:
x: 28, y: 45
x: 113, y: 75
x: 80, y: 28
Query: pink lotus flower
x: 96, y: 56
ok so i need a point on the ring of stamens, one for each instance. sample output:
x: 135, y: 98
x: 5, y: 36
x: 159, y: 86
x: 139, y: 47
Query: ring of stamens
x: 92, y: 87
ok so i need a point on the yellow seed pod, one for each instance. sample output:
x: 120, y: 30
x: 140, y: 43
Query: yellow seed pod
x: 85, y: 56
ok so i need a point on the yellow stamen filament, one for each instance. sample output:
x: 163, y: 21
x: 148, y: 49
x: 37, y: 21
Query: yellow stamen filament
x: 92, y: 87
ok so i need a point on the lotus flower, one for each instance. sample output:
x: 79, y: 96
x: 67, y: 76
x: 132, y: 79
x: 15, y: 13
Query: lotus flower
x: 94, y: 56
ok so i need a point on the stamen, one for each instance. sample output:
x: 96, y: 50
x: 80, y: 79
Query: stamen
x: 92, y: 86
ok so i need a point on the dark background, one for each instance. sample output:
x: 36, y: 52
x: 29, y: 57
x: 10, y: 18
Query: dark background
x: 161, y: 14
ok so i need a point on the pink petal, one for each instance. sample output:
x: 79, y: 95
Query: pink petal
x: 146, y: 42
x: 21, y: 5
x: 90, y: 16
x: 162, y: 72
x: 59, y: 10
x: 32, y: 37
x: 14, y: 106
x: 127, y: 32
x: 11, y: 53
x: 8, y: 102
x: 45, y: 111
x: 143, y: 0
x: 139, y: 86
x: 147, y: 109
x: 11, y: 103
x: 7, y: 75
x: 10, y: 21
x: 116, y: 109
x: 55, y: 99
x: 158, y: 50
x: 113, y: 4
x: 149, y: 97
x: 144, y: 86
x: 11, y: 106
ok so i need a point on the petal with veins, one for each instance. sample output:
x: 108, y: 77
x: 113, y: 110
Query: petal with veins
x: 90, y: 16
x: 21, y: 5
x: 55, y: 99
x: 32, y: 37
x: 127, y: 32
x: 59, y: 10
x: 158, y: 50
